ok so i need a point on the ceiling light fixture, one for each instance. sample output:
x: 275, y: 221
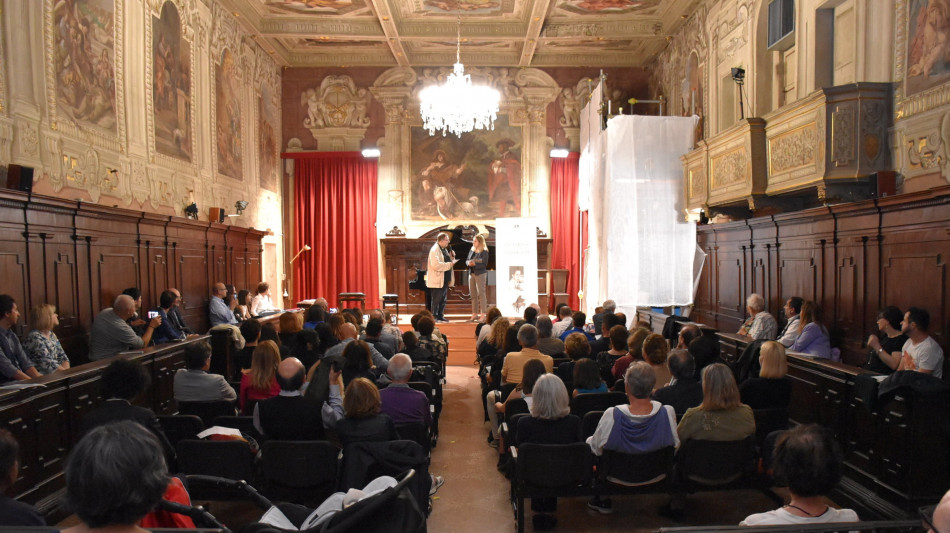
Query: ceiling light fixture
x: 457, y: 105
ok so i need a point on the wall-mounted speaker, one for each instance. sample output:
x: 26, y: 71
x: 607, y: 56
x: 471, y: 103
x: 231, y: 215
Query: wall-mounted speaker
x: 883, y: 183
x: 20, y: 178
x: 216, y: 214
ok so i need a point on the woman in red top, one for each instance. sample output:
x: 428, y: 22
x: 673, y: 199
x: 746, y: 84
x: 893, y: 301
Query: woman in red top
x: 260, y: 382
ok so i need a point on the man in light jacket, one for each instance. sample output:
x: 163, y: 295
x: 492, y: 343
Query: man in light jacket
x: 439, y: 275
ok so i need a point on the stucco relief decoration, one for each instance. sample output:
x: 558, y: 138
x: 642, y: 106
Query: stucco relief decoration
x: 29, y: 138
x: 337, y: 103
x: 139, y: 181
x: 697, y: 182
x: 931, y: 151
x: 794, y: 149
x: 572, y: 100
x: 842, y: 136
x: 730, y: 169
x: 872, y: 130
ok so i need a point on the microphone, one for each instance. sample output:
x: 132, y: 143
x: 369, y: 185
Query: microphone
x: 306, y: 248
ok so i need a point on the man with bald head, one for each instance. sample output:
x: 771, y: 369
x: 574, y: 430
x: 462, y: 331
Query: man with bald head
x: 349, y: 335
x: 174, y: 314
x: 220, y: 311
x: 289, y: 415
x: 111, y: 333
x: 402, y: 403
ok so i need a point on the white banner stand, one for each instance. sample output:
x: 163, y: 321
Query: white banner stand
x: 516, y: 265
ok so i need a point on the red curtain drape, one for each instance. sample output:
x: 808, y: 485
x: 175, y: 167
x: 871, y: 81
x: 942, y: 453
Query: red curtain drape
x: 335, y: 213
x: 565, y: 229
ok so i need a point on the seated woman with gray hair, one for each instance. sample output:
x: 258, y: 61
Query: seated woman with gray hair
x: 551, y: 422
x: 641, y: 426
x: 114, y: 476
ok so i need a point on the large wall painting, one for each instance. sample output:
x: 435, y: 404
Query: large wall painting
x: 267, y: 111
x: 228, y: 116
x: 475, y: 177
x: 84, y: 50
x: 171, y: 85
x: 928, y: 45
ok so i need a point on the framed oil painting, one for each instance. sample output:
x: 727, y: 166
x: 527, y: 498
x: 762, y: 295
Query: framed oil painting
x: 171, y: 85
x: 928, y: 55
x: 476, y: 176
x: 267, y: 113
x: 228, y: 116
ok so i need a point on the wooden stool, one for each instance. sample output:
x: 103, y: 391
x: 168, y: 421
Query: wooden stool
x: 392, y: 299
x: 351, y: 297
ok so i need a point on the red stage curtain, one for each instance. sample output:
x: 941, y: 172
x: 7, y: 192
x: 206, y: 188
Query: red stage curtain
x: 335, y: 213
x: 565, y: 229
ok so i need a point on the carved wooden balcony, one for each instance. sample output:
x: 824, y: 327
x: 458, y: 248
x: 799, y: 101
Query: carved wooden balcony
x: 695, y: 171
x: 736, y: 164
x: 829, y: 141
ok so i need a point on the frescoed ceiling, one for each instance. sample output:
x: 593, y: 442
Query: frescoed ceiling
x: 500, y: 33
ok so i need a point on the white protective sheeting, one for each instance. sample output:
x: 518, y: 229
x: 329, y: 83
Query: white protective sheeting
x: 646, y: 247
x: 590, y: 180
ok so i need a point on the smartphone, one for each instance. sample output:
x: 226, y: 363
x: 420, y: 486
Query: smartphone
x: 365, y: 318
x: 333, y: 310
x: 152, y: 314
x: 392, y: 319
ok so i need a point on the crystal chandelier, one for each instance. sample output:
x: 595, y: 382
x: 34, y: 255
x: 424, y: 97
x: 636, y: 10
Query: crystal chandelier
x: 457, y: 105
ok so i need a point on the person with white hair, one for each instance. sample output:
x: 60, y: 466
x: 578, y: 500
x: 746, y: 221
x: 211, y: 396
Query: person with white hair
x: 111, y: 333
x: 402, y: 403
x: 760, y: 325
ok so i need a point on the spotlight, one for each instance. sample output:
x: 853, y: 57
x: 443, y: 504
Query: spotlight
x: 191, y: 211
x: 371, y: 153
x: 738, y: 75
x: 240, y: 205
x: 559, y: 153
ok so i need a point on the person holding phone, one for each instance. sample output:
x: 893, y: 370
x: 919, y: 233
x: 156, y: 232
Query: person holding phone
x: 477, y: 264
x: 166, y: 331
x: 221, y: 307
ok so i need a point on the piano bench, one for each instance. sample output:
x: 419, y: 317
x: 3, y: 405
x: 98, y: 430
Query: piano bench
x: 392, y: 299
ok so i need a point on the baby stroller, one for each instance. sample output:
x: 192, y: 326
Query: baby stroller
x: 393, y: 509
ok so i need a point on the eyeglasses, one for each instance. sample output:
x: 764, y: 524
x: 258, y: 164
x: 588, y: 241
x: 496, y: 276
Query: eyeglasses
x: 927, y: 516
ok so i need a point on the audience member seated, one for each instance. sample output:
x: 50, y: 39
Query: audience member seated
x: 121, y: 382
x: 533, y: 369
x: 772, y: 389
x: 490, y: 349
x: 175, y: 314
x: 551, y: 422
x: 608, y: 308
x: 269, y: 333
x: 579, y: 319
x: 307, y: 347
x: 808, y: 461
x: 242, y: 311
x: 13, y: 512
x: 413, y: 350
x: 789, y: 334
x: 349, y: 334
x: 514, y: 361
x: 684, y: 390
x: 260, y: 383
x: 355, y: 317
x: 531, y: 315
x: 722, y: 416
x: 547, y: 344
x: 194, y: 384
x: 136, y: 321
x: 391, y: 332
x: 760, y: 324
x: 221, y: 310
x: 921, y: 352
x: 357, y: 362
x: 357, y: 417
x: 290, y: 326
x: 813, y: 336
x: 641, y: 426
x: 602, y: 343
x: 564, y: 322
x: 634, y: 353
x: 616, y: 336
x: 688, y: 334
x: 331, y: 331
x: 251, y: 331
x: 587, y: 377
x: 289, y: 415
x: 167, y: 331
x: 576, y: 347
x: 115, y: 475
x: 261, y: 303
x: 42, y: 345
x: 884, y: 352
x: 705, y: 351
x: 373, y: 337
x: 655, y: 352
x: 483, y: 329
x: 427, y: 340
x: 112, y: 334
x: 314, y: 315
x: 402, y: 403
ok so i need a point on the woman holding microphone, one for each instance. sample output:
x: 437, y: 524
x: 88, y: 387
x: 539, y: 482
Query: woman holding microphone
x: 477, y: 267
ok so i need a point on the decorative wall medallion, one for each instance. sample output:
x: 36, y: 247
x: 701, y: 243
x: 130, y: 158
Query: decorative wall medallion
x: 337, y: 103
x: 794, y: 149
x: 730, y: 168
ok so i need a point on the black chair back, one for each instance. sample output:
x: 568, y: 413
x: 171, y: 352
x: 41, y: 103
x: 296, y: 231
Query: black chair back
x: 636, y: 470
x: 231, y: 459
x: 589, y: 423
x: 416, y: 432
x: 303, y: 472
x: 767, y: 421
x: 206, y: 411
x: 180, y: 427
x: 550, y: 470
x: 512, y: 438
x: 715, y: 463
x: 596, y: 401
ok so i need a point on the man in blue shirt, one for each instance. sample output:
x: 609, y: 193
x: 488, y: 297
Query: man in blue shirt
x: 14, y: 364
x: 219, y: 311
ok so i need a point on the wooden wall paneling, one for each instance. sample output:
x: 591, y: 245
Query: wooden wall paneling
x: 733, y: 241
x: 237, y: 249
x: 217, y: 254
x: 191, y: 269
x: 915, y: 246
x: 114, y: 251
x: 703, y: 302
x: 805, y: 238
x: 162, y: 370
x: 763, y: 249
x: 14, y: 258
x: 153, y: 258
x: 255, y: 263
x: 53, y: 267
x: 855, y: 279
